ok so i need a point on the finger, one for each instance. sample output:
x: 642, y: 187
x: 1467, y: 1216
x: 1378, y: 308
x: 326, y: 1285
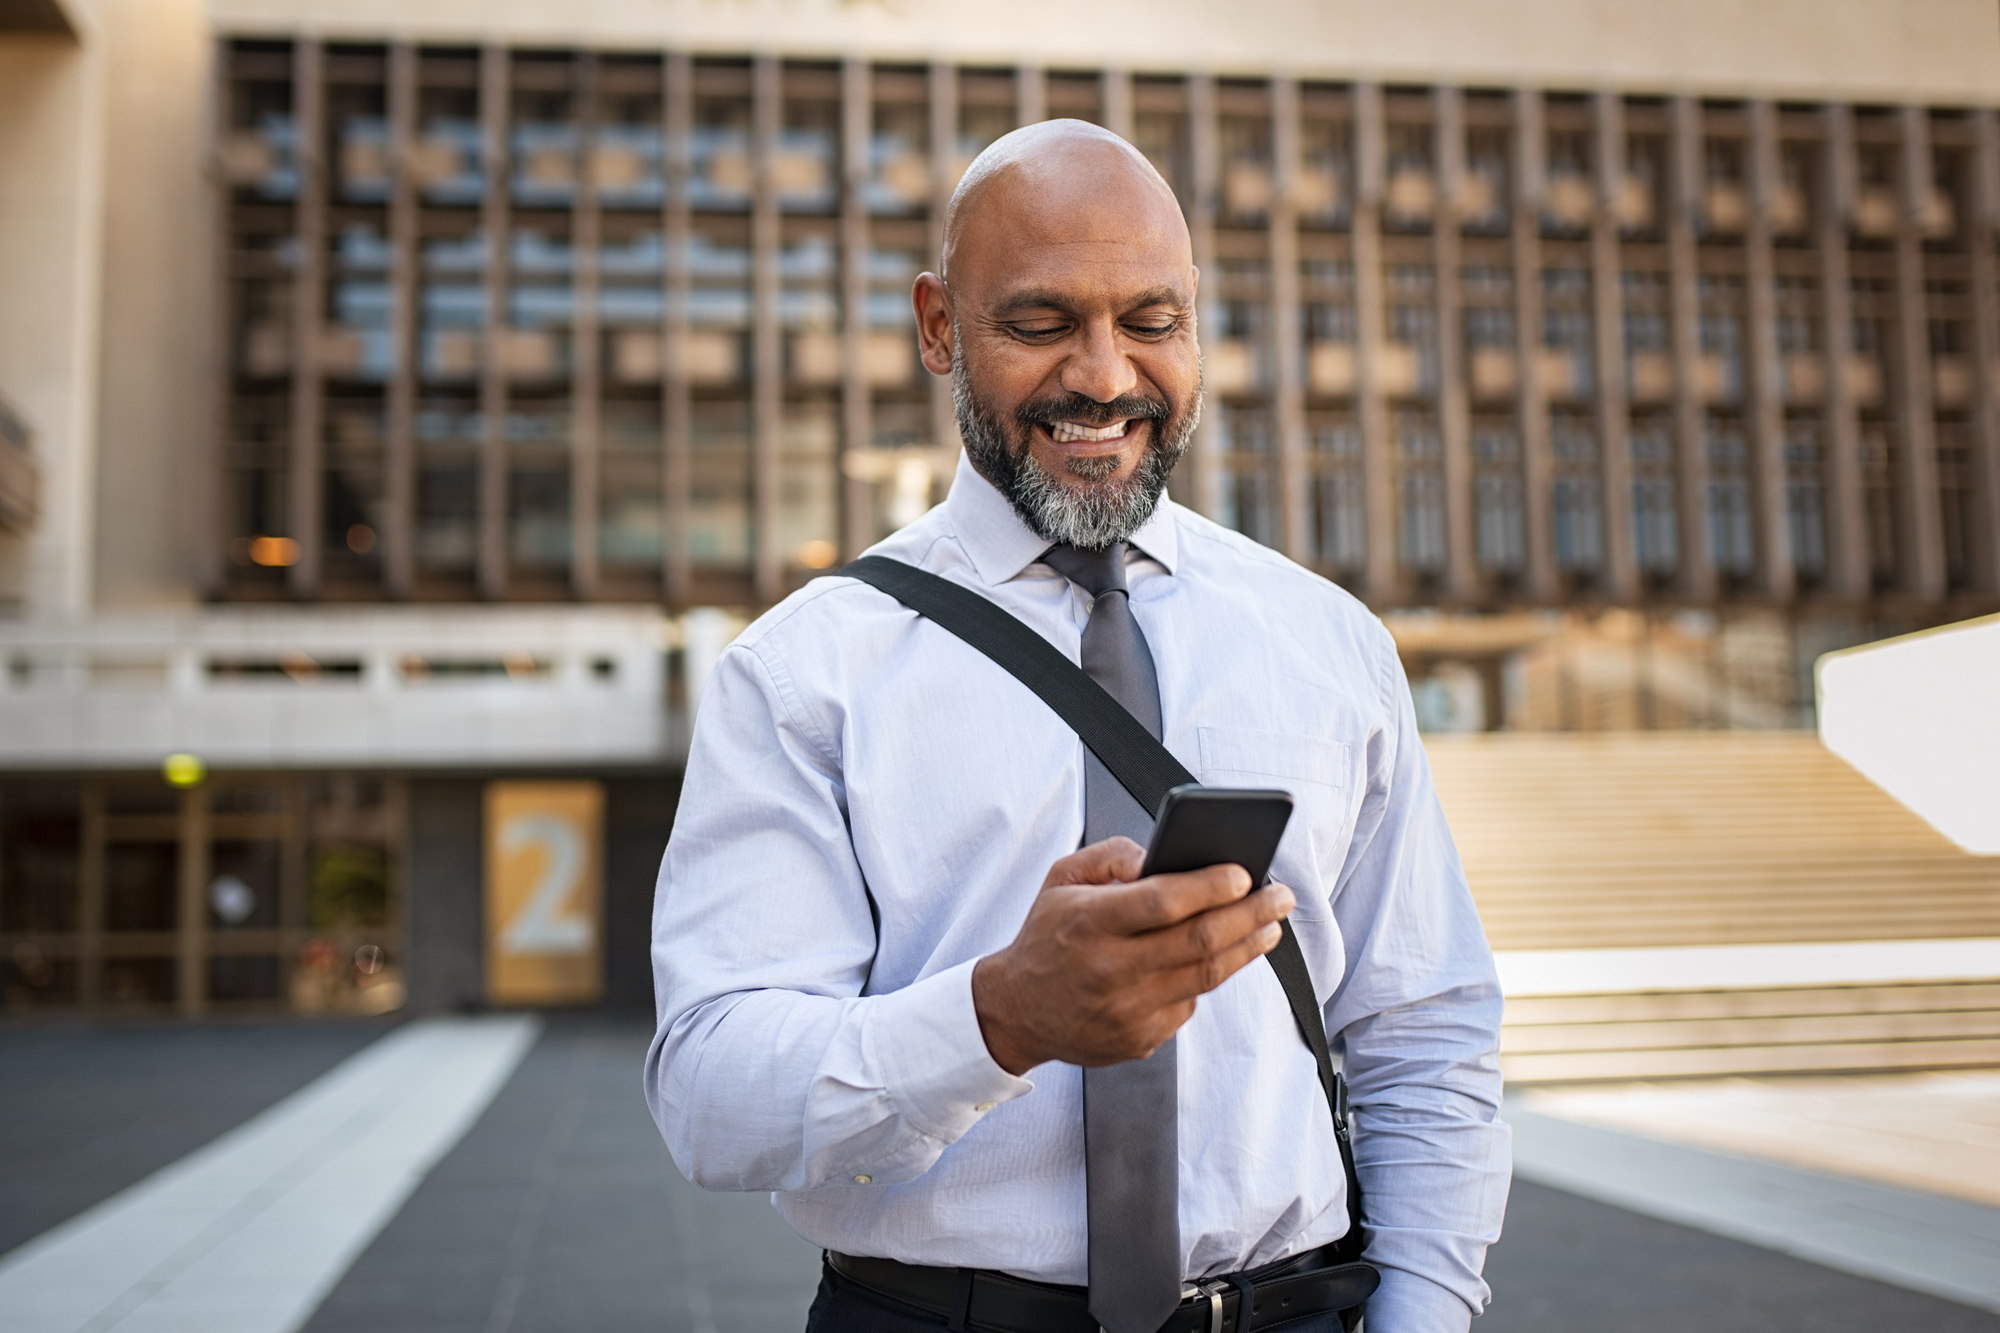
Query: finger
x: 1162, y: 900
x: 1215, y: 930
x: 1206, y: 973
x: 1114, y: 860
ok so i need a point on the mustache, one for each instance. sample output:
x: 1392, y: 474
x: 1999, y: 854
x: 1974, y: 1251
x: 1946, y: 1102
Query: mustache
x: 1089, y: 411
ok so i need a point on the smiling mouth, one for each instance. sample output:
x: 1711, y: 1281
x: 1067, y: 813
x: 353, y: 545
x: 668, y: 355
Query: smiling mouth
x: 1069, y: 432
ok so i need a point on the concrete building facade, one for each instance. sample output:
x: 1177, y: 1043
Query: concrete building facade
x: 399, y: 398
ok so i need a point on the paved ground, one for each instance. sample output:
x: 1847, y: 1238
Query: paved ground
x: 559, y: 1209
x: 1569, y: 1265
x: 91, y: 1110
x: 1937, y: 1132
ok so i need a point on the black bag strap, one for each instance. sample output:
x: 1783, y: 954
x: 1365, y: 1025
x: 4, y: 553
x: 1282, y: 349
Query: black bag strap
x: 1142, y: 765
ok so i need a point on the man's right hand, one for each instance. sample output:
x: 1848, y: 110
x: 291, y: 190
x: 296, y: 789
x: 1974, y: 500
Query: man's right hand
x: 1107, y: 966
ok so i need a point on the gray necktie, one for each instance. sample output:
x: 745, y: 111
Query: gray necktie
x: 1131, y: 1111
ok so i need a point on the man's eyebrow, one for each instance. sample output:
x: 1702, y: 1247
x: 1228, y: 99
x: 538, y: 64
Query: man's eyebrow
x: 1043, y: 298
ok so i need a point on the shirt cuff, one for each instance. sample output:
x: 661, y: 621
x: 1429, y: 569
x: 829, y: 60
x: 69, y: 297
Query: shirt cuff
x: 1406, y: 1303
x: 936, y: 1068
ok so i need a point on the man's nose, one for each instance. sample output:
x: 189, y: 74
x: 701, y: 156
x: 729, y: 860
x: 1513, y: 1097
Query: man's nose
x: 1099, y: 369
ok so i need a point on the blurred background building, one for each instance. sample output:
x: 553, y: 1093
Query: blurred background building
x: 404, y: 399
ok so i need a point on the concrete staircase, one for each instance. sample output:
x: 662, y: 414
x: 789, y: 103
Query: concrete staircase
x: 1665, y: 839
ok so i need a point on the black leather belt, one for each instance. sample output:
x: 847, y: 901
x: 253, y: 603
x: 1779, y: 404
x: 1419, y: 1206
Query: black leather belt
x: 1309, y: 1283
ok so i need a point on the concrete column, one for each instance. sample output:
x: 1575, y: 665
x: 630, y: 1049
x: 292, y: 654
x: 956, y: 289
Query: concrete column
x: 1921, y: 559
x: 1614, y: 422
x: 1986, y: 352
x: 856, y: 114
x: 1117, y: 101
x: 90, y: 895
x: 1766, y: 392
x: 218, y: 517
x: 1205, y: 161
x: 399, y: 562
x: 1031, y: 95
x: 307, y: 483
x: 1287, y: 326
x: 587, y: 373
x: 1454, y: 408
x: 1697, y: 573
x: 493, y: 461
x: 294, y: 877
x: 1532, y: 398
x: 767, y: 385
x: 1848, y: 567
x: 944, y: 153
x: 677, y: 119
x: 1378, y: 460
x: 191, y: 906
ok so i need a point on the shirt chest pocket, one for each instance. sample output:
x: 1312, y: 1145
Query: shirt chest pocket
x: 1314, y: 771
x: 1279, y: 755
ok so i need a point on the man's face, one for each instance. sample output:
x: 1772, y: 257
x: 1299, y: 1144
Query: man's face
x: 1069, y: 329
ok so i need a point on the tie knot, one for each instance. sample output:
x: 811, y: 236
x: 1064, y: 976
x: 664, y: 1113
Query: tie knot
x: 1096, y: 572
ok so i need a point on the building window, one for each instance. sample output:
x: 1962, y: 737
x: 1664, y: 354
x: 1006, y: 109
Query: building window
x: 1879, y: 496
x: 1567, y: 355
x: 1956, y: 509
x: 1410, y: 190
x: 1326, y: 175
x: 1339, y: 504
x: 1249, y: 499
x: 1720, y: 374
x: 1483, y: 203
x: 1420, y: 526
x: 1655, y: 543
x: 1576, y: 494
x: 1499, y: 524
x: 1246, y: 168
x: 1805, y: 498
x: 1569, y: 199
x: 1409, y: 362
x: 1730, y: 542
x: 538, y: 477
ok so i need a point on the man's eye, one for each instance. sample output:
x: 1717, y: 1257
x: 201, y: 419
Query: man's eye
x: 1153, y: 328
x: 1037, y: 331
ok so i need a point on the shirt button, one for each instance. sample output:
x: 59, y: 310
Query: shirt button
x: 864, y: 1180
x: 984, y: 1106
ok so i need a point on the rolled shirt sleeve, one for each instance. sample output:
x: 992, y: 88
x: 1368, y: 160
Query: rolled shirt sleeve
x: 771, y: 1069
x: 1417, y: 1021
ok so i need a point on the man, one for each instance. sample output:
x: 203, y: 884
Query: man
x: 891, y: 987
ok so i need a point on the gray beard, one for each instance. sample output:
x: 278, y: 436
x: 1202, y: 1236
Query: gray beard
x: 1092, y: 510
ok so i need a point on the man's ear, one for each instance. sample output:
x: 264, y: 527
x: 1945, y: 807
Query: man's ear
x: 932, y: 301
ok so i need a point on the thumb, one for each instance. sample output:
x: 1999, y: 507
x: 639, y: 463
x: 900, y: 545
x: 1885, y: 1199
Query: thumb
x: 1113, y: 860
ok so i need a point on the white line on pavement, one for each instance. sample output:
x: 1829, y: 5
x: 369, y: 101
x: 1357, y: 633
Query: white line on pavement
x: 1734, y: 966
x: 1941, y: 1246
x: 248, y: 1234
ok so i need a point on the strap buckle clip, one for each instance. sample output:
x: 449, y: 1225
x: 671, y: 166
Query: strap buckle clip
x: 1213, y: 1289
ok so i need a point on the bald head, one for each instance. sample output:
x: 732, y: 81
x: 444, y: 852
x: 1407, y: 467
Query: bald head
x: 1066, y: 319
x: 1061, y: 176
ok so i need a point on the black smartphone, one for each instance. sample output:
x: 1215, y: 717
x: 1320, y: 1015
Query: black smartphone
x: 1202, y: 826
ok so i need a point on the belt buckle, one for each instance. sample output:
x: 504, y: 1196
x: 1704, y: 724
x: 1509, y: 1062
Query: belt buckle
x: 1213, y: 1289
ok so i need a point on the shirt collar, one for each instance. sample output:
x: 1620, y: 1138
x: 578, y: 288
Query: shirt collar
x: 1001, y: 545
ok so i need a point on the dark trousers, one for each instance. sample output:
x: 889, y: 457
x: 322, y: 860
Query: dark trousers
x: 848, y: 1307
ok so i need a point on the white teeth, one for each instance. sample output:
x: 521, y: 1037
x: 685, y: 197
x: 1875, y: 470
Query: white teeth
x: 1068, y: 432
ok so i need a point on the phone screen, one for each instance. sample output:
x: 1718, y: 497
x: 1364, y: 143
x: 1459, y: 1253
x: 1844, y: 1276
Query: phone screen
x: 1208, y: 826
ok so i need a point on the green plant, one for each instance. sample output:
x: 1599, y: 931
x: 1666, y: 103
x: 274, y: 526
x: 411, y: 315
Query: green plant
x: 350, y: 887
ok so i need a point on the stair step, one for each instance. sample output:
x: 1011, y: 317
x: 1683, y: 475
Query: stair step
x: 1663, y: 839
x: 1721, y: 1061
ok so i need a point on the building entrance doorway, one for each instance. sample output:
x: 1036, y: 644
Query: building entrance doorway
x: 249, y: 891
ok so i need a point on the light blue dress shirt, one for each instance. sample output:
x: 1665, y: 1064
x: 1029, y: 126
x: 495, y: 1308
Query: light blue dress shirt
x: 870, y: 807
